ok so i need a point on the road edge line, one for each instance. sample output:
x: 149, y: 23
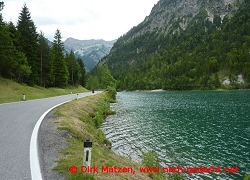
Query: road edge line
x: 34, y: 157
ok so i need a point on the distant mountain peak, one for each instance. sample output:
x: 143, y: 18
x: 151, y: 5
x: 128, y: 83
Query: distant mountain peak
x: 90, y: 51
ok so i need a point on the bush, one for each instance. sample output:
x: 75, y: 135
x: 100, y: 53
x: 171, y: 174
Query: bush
x: 111, y: 93
x: 151, y: 159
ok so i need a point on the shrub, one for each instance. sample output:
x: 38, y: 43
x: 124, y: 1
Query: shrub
x: 111, y: 93
x: 151, y: 159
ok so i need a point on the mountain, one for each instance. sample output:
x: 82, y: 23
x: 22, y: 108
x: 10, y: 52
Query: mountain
x: 169, y: 16
x: 90, y: 51
x: 185, y: 44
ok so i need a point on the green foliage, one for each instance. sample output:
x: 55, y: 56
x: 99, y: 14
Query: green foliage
x: 102, y: 80
x: 76, y: 69
x: 103, y: 110
x: 21, y: 68
x: 112, y: 93
x: 28, y: 44
x: 1, y: 5
x: 81, y: 72
x: 151, y: 159
x: 184, y: 59
x: 72, y: 67
x: 46, y: 64
x: 60, y: 67
x: 13, y: 62
x: 92, y: 82
x: 97, y: 120
x: 26, y: 57
x: 247, y: 177
x: 105, y: 78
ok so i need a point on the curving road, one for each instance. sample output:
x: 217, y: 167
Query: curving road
x: 17, y: 122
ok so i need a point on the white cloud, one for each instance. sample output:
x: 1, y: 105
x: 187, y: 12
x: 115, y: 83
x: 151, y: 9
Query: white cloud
x: 82, y: 19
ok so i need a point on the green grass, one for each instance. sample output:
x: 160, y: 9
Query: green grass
x: 11, y: 91
x: 82, y: 119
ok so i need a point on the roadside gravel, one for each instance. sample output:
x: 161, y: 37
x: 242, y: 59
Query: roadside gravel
x: 50, y: 141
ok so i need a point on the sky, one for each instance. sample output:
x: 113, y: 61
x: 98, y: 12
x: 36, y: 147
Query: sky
x: 81, y: 19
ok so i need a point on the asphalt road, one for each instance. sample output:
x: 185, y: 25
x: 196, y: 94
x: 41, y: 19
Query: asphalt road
x: 17, y: 121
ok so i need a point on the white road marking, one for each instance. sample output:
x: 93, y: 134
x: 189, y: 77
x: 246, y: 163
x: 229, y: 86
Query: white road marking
x: 34, y: 158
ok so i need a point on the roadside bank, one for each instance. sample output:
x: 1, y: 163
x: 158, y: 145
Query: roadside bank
x: 67, y: 127
x: 11, y: 91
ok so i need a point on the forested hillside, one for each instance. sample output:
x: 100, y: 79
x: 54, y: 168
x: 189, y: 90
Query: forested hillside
x: 201, y: 55
x: 26, y: 57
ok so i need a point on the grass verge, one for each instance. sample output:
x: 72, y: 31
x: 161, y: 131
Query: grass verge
x: 82, y: 118
x: 11, y: 91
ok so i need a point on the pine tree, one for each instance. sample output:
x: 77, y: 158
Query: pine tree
x: 82, y: 72
x: 72, y: 67
x: 28, y: 43
x: 46, y: 64
x: 60, y: 67
x: 1, y: 6
x: 13, y: 64
x: 14, y: 34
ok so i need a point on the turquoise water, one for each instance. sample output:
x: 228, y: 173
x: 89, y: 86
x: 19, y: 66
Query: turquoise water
x: 190, y: 129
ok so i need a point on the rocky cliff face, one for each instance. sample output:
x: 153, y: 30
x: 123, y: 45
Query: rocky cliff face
x: 167, y: 13
x: 184, y: 44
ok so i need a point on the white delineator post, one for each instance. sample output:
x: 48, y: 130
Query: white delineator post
x: 76, y: 96
x: 24, y: 97
x: 87, y: 153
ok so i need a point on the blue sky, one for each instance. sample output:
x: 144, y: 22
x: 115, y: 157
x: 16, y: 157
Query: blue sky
x: 82, y: 19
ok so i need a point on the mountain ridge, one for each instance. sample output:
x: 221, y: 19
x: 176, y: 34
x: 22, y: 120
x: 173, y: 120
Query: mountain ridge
x: 196, y: 46
x: 90, y: 51
x: 72, y: 43
x: 160, y: 19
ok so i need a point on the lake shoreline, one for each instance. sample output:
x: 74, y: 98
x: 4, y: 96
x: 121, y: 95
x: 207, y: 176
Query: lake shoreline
x: 164, y: 90
x: 78, y: 120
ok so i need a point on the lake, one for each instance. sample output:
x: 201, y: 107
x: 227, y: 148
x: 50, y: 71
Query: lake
x: 185, y: 128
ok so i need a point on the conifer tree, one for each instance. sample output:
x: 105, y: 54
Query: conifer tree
x: 13, y: 64
x: 72, y: 67
x: 60, y: 67
x: 14, y: 34
x: 46, y: 64
x: 82, y: 72
x: 1, y: 8
x: 28, y: 43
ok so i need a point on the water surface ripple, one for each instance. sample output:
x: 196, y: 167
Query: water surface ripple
x: 190, y: 129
